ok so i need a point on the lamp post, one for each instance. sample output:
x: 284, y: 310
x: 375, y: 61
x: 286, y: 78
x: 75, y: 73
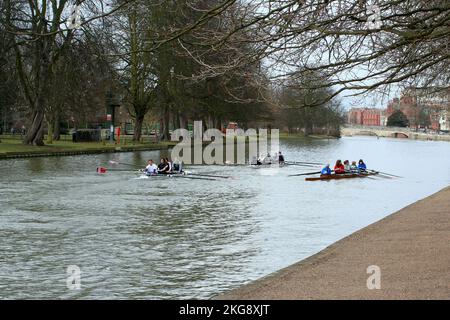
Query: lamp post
x: 111, y: 104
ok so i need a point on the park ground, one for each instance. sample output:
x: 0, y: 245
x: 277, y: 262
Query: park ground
x: 11, y: 146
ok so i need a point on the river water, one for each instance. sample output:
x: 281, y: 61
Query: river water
x: 180, y: 238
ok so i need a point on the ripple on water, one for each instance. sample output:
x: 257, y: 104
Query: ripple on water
x: 181, y: 238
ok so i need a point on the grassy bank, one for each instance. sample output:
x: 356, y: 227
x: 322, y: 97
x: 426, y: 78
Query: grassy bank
x: 12, y: 146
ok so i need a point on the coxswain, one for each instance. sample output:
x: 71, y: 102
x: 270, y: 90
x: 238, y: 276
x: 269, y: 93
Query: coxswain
x: 339, y: 167
x: 326, y: 171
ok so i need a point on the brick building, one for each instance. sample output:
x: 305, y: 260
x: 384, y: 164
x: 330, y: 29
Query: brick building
x: 408, y: 105
x: 365, y: 116
x: 423, y: 110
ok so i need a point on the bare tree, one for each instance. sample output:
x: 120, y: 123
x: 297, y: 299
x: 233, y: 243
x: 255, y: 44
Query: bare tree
x: 358, y: 45
x: 40, y: 31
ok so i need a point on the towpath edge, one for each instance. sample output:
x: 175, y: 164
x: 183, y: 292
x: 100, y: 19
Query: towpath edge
x: 411, y: 247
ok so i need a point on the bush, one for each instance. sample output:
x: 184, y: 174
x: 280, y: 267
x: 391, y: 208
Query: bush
x: 398, y: 119
x: 86, y: 135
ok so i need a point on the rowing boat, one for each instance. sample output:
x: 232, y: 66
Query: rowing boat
x: 167, y: 175
x: 268, y: 165
x: 342, y: 176
x: 184, y: 174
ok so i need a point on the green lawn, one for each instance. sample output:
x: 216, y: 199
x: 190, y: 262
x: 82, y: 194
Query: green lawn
x: 14, y: 145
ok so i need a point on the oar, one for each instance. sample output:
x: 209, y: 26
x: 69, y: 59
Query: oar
x: 208, y: 175
x: 301, y: 165
x: 104, y: 170
x: 304, y: 174
x: 386, y: 174
x: 304, y: 162
x: 195, y: 178
x: 125, y: 164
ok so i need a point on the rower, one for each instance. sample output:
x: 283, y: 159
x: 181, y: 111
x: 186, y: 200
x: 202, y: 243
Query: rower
x: 362, y: 166
x: 163, y: 167
x: 326, y: 171
x: 280, y: 158
x: 177, y: 166
x: 151, y: 168
x: 267, y: 159
x: 339, y: 167
x: 169, y: 164
x: 255, y: 161
x: 347, y: 166
x: 354, y: 167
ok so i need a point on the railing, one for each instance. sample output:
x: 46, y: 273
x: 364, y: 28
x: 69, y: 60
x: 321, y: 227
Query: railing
x: 394, y: 129
x: 379, y: 128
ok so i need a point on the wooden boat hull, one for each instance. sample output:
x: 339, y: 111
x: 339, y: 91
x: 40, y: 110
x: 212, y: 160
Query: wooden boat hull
x: 341, y: 176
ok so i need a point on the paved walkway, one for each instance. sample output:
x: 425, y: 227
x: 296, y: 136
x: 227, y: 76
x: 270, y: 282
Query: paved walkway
x: 411, y: 247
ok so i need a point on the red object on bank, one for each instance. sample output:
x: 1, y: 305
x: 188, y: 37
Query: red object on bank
x: 118, y: 134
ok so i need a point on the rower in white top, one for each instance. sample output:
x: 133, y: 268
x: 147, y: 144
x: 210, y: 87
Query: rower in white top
x: 151, y: 168
x: 267, y: 159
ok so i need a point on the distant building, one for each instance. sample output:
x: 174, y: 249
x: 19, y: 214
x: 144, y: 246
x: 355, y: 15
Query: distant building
x: 406, y: 104
x: 423, y: 109
x: 365, y: 116
x: 444, y: 121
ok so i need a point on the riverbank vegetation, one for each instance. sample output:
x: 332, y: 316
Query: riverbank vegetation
x: 167, y: 63
x: 13, y: 146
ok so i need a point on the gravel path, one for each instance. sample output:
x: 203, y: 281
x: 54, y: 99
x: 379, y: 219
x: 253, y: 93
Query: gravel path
x: 411, y: 248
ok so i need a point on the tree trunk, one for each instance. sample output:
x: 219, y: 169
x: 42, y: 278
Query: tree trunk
x: 166, y: 120
x: 138, y: 128
x: 217, y: 123
x: 35, y: 135
x: 50, y: 126
x: 57, y: 127
x: 176, y: 120
x: 183, y: 122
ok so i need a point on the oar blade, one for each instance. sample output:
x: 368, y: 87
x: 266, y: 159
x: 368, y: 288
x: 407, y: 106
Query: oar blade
x: 101, y: 170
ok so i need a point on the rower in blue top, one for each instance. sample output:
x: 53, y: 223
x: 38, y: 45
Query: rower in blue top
x: 362, y: 166
x: 326, y: 171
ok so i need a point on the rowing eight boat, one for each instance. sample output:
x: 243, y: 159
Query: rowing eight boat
x: 341, y: 176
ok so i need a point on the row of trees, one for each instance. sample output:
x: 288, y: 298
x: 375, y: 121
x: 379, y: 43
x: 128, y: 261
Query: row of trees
x: 133, y: 50
x: 213, y: 60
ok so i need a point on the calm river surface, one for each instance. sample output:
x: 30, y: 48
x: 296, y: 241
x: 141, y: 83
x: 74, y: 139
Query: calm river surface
x: 181, y: 238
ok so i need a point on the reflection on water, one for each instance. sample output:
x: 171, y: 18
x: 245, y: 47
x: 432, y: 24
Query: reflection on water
x: 181, y: 238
